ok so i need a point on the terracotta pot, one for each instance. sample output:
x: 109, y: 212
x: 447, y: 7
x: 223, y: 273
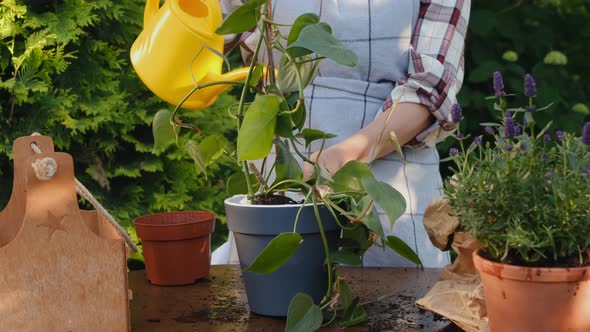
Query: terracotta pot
x: 535, y: 299
x: 176, y: 246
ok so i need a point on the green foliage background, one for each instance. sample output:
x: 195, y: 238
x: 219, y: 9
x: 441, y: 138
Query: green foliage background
x: 537, y: 37
x: 65, y: 72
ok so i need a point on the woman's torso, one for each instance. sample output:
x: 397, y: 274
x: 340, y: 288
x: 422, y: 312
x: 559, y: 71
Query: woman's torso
x: 341, y: 100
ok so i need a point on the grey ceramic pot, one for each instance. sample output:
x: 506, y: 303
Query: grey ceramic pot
x: 254, y: 226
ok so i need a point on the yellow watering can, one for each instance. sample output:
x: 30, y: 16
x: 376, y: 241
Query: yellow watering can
x: 170, y: 55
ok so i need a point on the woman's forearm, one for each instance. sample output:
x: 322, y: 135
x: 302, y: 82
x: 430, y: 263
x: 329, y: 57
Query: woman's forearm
x: 406, y: 121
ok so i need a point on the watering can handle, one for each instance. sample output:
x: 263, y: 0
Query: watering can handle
x: 151, y: 8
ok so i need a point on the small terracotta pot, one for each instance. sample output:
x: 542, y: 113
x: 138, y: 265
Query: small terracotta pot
x: 535, y: 299
x: 176, y: 246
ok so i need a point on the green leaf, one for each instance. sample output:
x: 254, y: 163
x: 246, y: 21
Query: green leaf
x: 389, y: 199
x: 242, y: 19
x: 529, y: 120
x: 397, y: 147
x: 354, y: 314
x: 276, y: 253
x: 371, y: 218
x: 348, y: 178
x: 287, y: 78
x: 286, y: 166
x: 303, y: 315
x: 346, y: 257
x: 358, y: 238
x: 301, y: 22
x: 211, y: 148
x: 284, y: 125
x: 236, y: 184
x: 399, y: 246
x: 315, y: 38
x: 345, y: 293
x: 163, y: 131
x: 310, y: 135
x: 256, y: 134
x: 193, y: 150
x: 256, y: 75
x: 300, y: 116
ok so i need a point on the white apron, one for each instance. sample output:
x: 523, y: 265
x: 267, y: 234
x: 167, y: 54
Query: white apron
x: 341, y: 100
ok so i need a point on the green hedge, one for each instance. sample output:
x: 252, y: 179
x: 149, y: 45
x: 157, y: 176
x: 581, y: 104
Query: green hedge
x: 545, y: 38
x: 65, y: 72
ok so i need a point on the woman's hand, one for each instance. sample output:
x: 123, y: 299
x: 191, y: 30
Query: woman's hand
x: 332, y: 158
x: 406, y: 122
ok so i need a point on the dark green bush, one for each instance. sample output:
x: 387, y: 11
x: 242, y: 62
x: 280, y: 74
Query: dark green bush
x: 543, y: 37
x: 65, y: 72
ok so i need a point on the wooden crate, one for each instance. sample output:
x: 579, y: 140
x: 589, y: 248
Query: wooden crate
x: 61, y: 268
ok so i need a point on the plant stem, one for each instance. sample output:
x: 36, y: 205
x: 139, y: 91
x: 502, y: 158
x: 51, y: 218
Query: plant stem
x: 339, y: 209
x: 274, y: 186
x: 243, y: 100
x: 326, y: 248
x: 329, y: 207
x: 276, y: 23
x: 193, y: 90
x: 310, y: 60
x: 301, y: 155
x: 301, y: 209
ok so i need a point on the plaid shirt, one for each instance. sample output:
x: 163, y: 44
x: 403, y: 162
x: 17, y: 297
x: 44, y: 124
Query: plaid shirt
x: 436, y: 66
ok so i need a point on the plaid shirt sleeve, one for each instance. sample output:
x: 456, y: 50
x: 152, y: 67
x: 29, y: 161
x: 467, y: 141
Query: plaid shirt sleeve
x: 436, y: 66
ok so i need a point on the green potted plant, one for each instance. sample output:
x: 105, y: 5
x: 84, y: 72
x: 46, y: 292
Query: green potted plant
x: 525, y: 196
x: 292, y: 232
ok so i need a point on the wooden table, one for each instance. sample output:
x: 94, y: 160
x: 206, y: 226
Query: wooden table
x: 220, y: 304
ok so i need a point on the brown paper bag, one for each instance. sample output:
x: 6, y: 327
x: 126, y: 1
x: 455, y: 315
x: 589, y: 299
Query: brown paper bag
x: 458, y: 295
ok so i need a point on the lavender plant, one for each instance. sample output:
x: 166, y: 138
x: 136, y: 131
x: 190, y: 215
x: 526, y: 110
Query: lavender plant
x: 524, y: 195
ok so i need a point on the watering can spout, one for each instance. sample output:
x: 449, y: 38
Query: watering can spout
x: 179, y: 48
x: 204, y: 97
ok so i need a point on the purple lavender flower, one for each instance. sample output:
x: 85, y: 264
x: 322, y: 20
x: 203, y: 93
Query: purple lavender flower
x: 509, y: 125
x: 530, y: 86
x: 498, y: 84
x: 549, y: 175
x: 586, y: 169
x: 460, y: 136
x: 546, y: 138
x: 523, y: 146
x: 560, y: 135
x: 478, y: 140
x: 456, y: 114
x: 530, y: 108
x: 517, y: 130
x: 586, y: 134
x: 489, y: 130
x: 509, y: 148
x: 453, y: 151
